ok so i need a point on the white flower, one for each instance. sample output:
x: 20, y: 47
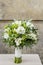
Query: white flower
x: 18, y: 41
x: 13, y: 23
x: 29, y: 24
x: 7, y: 29
x: 17, y: 22
x: 20, y: 30
x: 6, y: 36
x: 33, y: 36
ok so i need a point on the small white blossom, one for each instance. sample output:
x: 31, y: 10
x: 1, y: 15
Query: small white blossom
x: 17, y: 22
x: 7, y: 29
x: 6, y: 36
x: 20, y: 30
x: 29, y: 24
x: 32, y: 35
x: 13, y: 23
x: 18, y: 41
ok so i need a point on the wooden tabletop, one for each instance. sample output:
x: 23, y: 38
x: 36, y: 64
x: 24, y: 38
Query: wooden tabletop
x: 27, y: 59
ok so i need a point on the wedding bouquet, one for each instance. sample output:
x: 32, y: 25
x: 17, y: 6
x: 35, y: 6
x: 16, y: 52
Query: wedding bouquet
x: 20, y: 34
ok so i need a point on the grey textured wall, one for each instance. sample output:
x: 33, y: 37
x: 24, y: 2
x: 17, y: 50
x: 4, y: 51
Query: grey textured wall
x: 35, y: 49
x: 22, y: 9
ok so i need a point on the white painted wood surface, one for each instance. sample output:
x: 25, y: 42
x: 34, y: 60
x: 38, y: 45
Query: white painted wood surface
x: 27, y: 59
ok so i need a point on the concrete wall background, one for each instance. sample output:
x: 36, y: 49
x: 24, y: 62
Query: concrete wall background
x: 21, y: 9
x: 35, y: 49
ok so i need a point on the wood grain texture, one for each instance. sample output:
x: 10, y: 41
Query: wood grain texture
x: 21, y: 9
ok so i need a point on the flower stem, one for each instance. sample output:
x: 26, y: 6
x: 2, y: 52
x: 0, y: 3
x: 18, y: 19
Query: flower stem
x: 17, y: 60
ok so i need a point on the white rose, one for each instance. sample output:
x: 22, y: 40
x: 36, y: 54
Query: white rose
x: 20, y: 30
x: 6, y: 36
x: 18, y: 41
